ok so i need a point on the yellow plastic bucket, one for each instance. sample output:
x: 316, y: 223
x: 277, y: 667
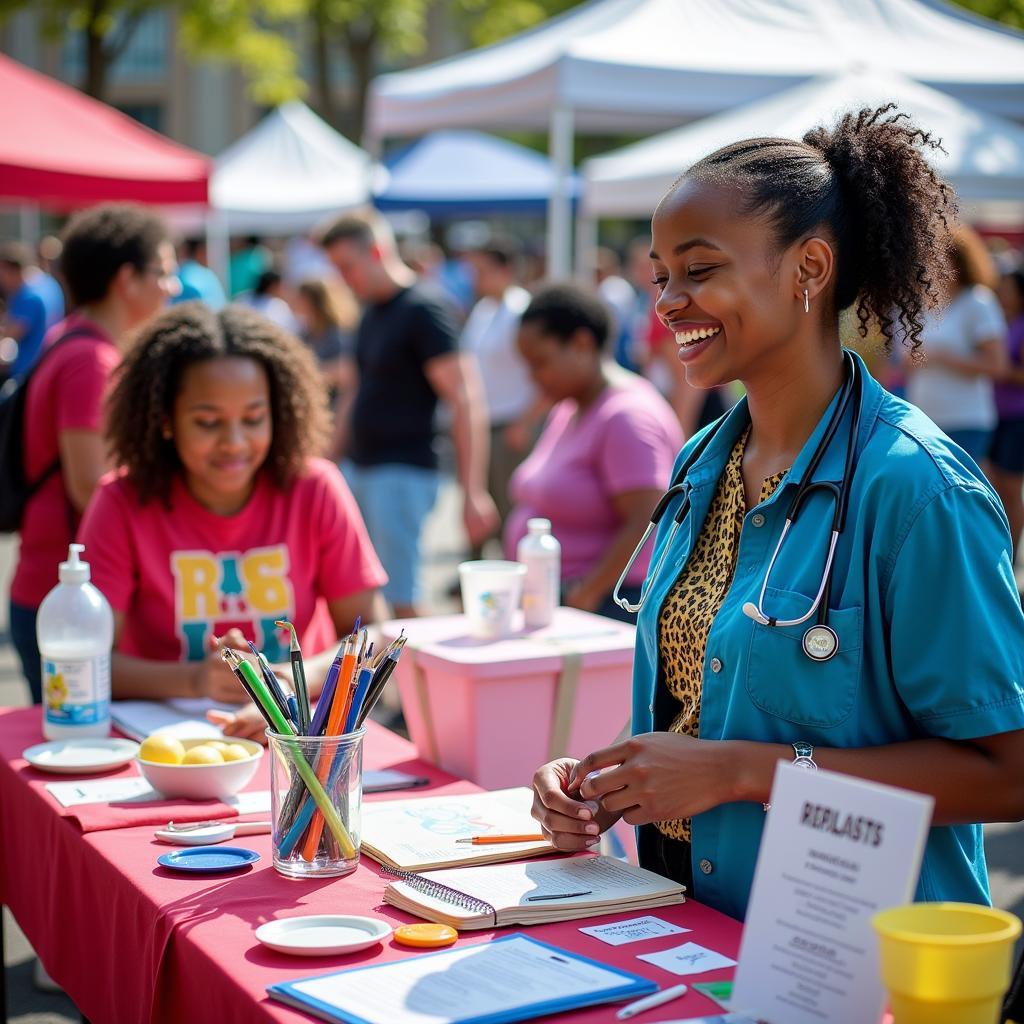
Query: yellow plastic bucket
x: 946, y: 963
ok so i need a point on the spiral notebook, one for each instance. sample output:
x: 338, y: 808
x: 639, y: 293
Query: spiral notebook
x: 534, y: 892
x: 509, y: 979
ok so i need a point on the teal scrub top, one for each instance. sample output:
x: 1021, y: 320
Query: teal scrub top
x: 931, y: 634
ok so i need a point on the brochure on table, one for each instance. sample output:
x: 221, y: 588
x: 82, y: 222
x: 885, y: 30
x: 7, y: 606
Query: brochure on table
x: 835, y: 851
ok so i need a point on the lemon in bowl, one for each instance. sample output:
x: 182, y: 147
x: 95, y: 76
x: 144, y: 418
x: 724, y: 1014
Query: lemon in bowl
x: 202, y: 769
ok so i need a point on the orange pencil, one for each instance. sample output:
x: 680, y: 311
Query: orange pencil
x: 335, y: 722
x: 494, y: 840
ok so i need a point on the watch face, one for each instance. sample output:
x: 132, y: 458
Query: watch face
x: 805, y: 762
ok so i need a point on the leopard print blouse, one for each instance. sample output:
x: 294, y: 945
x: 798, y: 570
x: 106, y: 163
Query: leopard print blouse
x: 694, y: 600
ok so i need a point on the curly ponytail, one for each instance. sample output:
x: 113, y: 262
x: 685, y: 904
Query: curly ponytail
x: 889, y: 213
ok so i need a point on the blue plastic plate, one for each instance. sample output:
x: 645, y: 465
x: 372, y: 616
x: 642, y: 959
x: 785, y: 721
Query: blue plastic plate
x: 208, y: 859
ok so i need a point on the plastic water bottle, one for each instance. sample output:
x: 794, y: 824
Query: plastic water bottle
x: 75, y: 630
x: 541, y: 553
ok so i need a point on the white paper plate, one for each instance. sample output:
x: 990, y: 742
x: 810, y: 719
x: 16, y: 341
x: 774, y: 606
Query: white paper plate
x: 81, y: 757
x: 323, y: 934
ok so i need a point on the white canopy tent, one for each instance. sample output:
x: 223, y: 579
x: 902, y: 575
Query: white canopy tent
x: 983, y: 158
x: 288, y: 173
x: 646, y: 65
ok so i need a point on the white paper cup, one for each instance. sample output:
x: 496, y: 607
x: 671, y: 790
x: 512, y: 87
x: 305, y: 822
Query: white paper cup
x: 491, y: 590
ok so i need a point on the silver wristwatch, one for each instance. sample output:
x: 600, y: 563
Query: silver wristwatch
x: 803, y: 757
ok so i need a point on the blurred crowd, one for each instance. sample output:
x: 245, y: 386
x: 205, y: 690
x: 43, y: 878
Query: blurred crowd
x: 561, y: 401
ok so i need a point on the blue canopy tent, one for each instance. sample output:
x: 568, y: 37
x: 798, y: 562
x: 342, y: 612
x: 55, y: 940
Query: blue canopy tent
x: 461, y: 173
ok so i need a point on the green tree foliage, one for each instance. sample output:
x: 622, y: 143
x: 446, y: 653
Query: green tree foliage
x: 1009, y: 12
x: 366, y: 34
x: 490, y: 21
x: 245, y: 32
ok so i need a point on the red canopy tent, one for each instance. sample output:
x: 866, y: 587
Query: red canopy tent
x: 60, y: 149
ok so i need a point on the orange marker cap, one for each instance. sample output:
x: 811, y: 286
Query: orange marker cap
x: 425, y: 936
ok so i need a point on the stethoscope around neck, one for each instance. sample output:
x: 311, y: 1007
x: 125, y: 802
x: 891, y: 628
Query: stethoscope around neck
x: 820, y: 641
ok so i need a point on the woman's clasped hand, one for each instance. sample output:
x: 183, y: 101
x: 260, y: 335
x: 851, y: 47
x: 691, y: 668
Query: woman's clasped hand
x: 657, y: 776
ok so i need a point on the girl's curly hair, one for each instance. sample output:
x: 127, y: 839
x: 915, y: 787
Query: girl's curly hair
x: 148, y: 381
x: 889, y: 214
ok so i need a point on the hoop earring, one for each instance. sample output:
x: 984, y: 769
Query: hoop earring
x: 807, y: 302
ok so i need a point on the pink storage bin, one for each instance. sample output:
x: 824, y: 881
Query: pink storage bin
x: 494, y: 711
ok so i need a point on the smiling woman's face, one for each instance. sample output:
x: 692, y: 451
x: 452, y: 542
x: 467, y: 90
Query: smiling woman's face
x: 724, y: 290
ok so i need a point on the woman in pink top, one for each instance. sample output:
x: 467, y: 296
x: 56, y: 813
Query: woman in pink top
x: 118, y: 268
x: 222, y: 520
x: 605, y: 455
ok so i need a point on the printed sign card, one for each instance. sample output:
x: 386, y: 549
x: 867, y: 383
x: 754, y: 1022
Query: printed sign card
x: 835, y: 851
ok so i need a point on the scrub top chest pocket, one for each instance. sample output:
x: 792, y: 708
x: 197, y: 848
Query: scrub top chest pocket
x: 783, y: 681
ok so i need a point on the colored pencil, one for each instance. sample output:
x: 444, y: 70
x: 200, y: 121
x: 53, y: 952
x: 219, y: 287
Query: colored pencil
x: 282, y: 726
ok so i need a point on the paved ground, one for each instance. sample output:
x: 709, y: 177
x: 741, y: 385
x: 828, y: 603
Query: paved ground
x: 445, y: 546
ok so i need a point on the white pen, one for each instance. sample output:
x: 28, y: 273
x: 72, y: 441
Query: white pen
x: 649, y: 1002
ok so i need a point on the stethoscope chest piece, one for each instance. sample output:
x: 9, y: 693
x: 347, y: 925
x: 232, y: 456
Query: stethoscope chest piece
x: 820, y: 643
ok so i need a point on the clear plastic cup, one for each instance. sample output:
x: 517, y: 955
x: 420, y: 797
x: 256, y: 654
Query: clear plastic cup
x: 946, y: 963
x: 316, y: 792
x: 491, y: 590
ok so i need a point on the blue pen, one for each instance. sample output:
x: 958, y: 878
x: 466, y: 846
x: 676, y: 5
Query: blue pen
x: 293, y: 710
x: 363, y: 684
x: 323, y: 704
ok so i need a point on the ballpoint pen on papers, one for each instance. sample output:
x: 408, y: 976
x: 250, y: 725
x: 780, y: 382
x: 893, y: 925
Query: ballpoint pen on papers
x: 298, y: 676
x: 649, y: 1002
x: 558, y: 895
x: 494, y: 840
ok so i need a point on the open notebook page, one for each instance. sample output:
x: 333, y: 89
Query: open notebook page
x: 423, y: 832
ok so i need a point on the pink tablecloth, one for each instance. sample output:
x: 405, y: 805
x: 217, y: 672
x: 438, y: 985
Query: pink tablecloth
x: 132, y: 942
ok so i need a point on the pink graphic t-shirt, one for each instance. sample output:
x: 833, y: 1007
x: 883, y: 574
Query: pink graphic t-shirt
x: 183, y: 574
x: 627, y: 440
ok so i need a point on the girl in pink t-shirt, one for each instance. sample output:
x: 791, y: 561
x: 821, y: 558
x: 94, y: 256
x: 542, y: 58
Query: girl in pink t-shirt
x: 221, y: 519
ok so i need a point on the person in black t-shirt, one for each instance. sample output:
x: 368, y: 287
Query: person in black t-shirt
x: 407, y: 358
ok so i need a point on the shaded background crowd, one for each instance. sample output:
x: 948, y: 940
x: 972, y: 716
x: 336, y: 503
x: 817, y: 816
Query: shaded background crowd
x: 551, y: 400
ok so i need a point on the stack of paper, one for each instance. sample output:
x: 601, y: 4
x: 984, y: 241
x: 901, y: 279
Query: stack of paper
x: 410, y: 835
x: 538, y: 892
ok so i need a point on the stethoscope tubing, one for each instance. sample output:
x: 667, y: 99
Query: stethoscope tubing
x: 852, y: 391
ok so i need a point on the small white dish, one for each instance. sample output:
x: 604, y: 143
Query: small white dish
x: 323, y: 934
x: 212, y: 832
x: 81, y: 757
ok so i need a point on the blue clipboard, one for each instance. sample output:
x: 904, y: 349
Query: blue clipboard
x: 630, y: 986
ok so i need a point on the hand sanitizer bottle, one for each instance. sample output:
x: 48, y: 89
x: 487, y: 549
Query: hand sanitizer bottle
x: 75, y: 630
x: 541, y: 553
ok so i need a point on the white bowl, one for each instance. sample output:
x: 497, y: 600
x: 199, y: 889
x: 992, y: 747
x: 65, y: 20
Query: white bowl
x: 203, y: 781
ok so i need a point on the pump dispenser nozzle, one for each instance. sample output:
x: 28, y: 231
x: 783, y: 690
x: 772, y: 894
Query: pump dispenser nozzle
x: 74, y: 570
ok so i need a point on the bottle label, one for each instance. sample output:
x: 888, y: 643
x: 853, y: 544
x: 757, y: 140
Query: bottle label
x: 77, y: 692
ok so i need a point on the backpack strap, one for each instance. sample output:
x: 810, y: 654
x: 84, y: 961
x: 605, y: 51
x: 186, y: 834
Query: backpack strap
x: 53, y: 467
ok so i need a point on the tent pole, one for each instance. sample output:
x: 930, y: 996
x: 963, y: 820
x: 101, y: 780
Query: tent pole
x: 586, y: 249
x: 560, y: 149
x: 29, y: 224
x: 218, y: 252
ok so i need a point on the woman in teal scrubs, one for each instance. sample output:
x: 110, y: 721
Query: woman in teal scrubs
x: 756, y: 251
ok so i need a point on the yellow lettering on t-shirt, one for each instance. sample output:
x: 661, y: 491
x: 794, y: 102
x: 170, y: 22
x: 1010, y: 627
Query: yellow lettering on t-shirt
x: 265, y: 577
x: 198, y: 577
